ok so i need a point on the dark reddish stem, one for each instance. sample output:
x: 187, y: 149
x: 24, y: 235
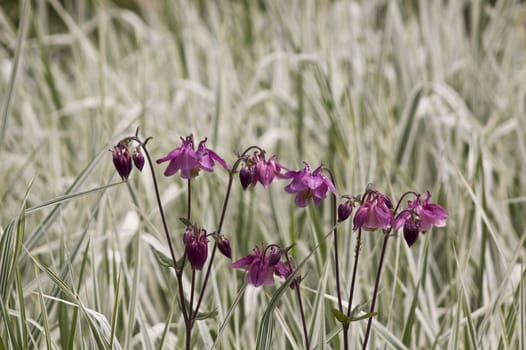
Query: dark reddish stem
x: 221, y: 221
x: 178, y: 273
x: 355, y: 268
x: 345, y: 325
x: 300, y: 304
x: 375, y: 293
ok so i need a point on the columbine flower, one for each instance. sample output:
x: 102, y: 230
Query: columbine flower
x: 138, y: 159
x: 374, y: 213
x: 196, y: 248
x: 308, y: 185
x: 259, y: 169
x: 261, y: 268
x: 345, y: 210
x: 419, y: 217
x: 223, y: 244
x: 190, y: 161
x: 122, y: 160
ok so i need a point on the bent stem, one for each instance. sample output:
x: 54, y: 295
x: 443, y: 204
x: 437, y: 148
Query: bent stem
x: 220, y: 225
x: 375, y: 293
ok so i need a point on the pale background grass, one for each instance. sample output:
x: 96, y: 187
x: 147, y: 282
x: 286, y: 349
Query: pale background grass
x: 410, y: 95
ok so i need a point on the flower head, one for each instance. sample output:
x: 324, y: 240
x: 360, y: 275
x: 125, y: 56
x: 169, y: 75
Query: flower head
x: 138, y: 159
x: 223, y: 244
x: 345, y: 210
x: 261, y: 268
x: 374, y: 213
x: 122, y: 160
x: 191, y: 161
x: 419, y: 217
x: 259, y: 169
x: 196, y: 247
x: 307, y: 185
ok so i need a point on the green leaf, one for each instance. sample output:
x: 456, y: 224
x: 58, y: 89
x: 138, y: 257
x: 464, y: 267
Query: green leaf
x: 340, y: 316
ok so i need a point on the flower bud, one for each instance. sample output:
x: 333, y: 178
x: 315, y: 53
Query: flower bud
x: 138, y: 159
x: 122, y: 160
x: 245, y: 177
x: 223, y: 244
x: 196, y: 249
x: 344, y: 210
x: 411, y: 230
x: 273, y: 258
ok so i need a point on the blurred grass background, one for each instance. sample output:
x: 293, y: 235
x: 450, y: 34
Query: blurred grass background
x: 410, y: 95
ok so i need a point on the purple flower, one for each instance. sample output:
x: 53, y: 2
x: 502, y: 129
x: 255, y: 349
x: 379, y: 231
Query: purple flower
x: 259, y: 169
x: 345, y: 210
x: 138, y: 159
x: 196, y: 248
x: 419, y: 217
x: 223, y: 244
x: 261, y: 268
x: 374, y: 213
x: 308, y: 185
x: 122, y: 160
x: 191, y: 161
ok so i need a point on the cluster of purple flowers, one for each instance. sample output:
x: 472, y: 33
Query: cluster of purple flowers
x: 375, y: 210
x: 122, y: 160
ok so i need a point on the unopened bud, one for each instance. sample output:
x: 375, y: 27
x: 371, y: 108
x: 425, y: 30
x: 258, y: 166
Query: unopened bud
x: 223, y: 244
x: 122, y: 160
x: 344, y: 210
x: 138, y: 159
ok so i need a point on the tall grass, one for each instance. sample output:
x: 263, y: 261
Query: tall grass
x: 423, y: 95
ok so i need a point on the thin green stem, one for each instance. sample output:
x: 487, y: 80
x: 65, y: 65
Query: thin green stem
x: 375, y: 293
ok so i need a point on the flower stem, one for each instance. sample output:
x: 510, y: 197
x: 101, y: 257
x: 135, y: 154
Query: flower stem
x: 345, y: 325
x: 189, y: 205
x: 375, y: 293
x: 300, y: 304
x: 165, y: 225
x: 220, y: 225
x: 355, y: 268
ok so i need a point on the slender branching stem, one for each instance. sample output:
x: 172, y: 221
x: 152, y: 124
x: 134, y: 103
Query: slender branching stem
x: 375, y: 293
x: 221, y: 221
x: 163, y: 219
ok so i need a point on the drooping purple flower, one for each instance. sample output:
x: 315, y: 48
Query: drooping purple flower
x: 411, y: 230
x: 306, y: 185
x: 345, y: 210
x: 122, y: 160
x: 191, y: 161
x: 374, y: 213
x: 245, y: 177
x: 138, y: 159
x: 223, y: 244
x: 258, y: 169
x: 419, y: 217
x: 196, y: 245
x: 430, y: 214
x: 261, y: 268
